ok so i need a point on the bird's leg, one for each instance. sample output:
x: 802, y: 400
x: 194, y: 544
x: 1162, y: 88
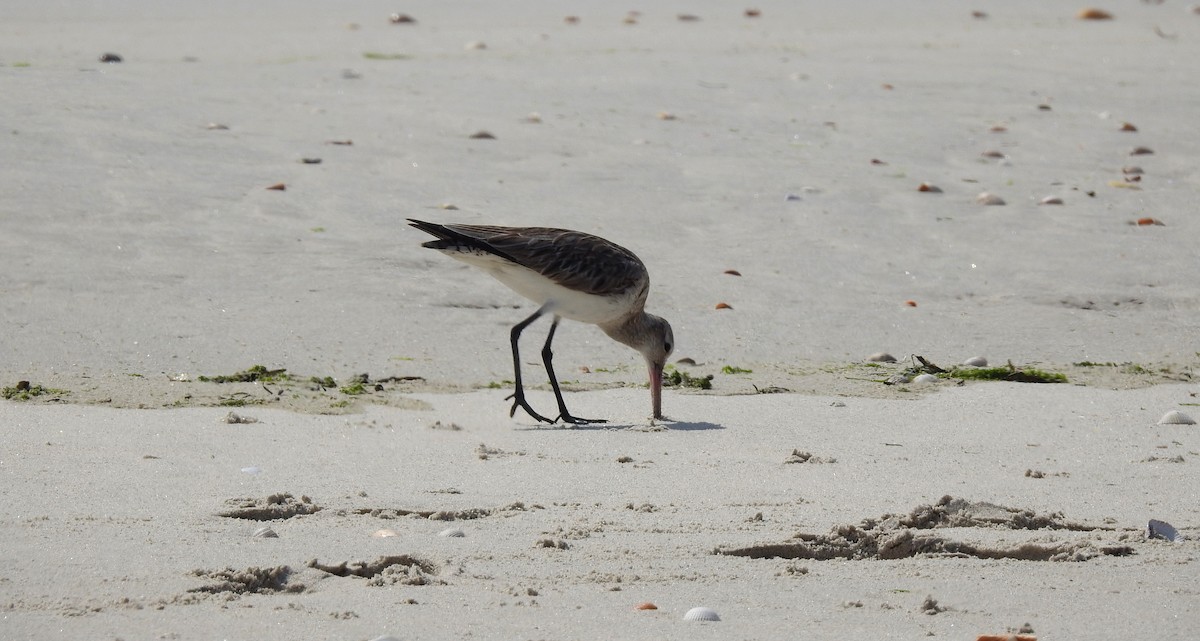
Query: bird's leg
x: 547, y: 356
x: 518, y: 395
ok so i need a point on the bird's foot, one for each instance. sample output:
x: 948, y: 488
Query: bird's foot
x: 575, y: 420
x: 518, y: 400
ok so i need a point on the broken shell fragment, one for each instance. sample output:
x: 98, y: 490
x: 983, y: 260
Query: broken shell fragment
x: 910, y: 303
x: 278, y: 187
x: 1093, y: 14
x: 701, y: 614
x: 992, y: 153
x: 1051, y: 200
x: 724, y: 306
x: 933, y: 189
x: 1141, y: 151
x: 265, y: 533
x: 1127, y: 126
x: 401, y: 18
x: 733, y: 272
x: 1163, y: 530
x: 482, y: 135
x: 645, y: 606
x: 452, y: 533
x: 1175, y: 417
x: 1143, y: 222
x: 987, y: 198
x: 110, y: 58
x: 1132, y: 170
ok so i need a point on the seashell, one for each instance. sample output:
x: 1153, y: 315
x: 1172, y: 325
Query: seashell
x: 110, y: 58
x: 876, y: 161
x: 752, y: 13
x: 925, y: 379
x: 1127, y: 126
x: 310, y: 161
x: 888, y: 86
x: 1141, y: 151
x: 344, y: 143
x: 666, y: 115
x: 933, y: 189
x: 1093, y: 14
x: 1175, y: 417
x: 733, y: 272
x: 981, y: 15
x: 1051, y: 200
x: 687, y: 17
x: 571, y: 19
x: 278, y: 187
x: 791, y: 198
x: 724, y: 306
x: 910, y: 303
x: 401, y: 18
x: 1142, y: 222
x: 474, y: 44
x: 452, y: 533
x: 252, y: 470
x: 701, y: 614
x: 987, y: 198
x: 216, y: 126
x: 645, y: 606
x: 998, y: 129
x: 384, y: 534
x: 265, y: 533
x: 448, y: 206
x: 992, y: 153
x: 1133, y: 170
x: 1043, y: 107
x: 533, y: 117
x: 976, y: 361
x: 482, y: 135
x: 881, y: 357
x: 629, y: 20
x: 1163, y: 530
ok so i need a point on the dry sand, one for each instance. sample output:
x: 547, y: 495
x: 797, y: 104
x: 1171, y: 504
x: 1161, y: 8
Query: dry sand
x: 141, y: 251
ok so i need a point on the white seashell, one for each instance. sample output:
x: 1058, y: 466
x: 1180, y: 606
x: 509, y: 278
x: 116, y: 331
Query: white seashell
x: 253, y: 469
x: 265, y: 533
x: 452, y: 532
x: 701, y: 614
x: 384, y: 533
x: 976, y: 361
x: 881, y: 357
x: 1051, y: 200
x: 1175, y: 417
x: 1163, y: 530
x: 925, y: 379
x: 987, y: 198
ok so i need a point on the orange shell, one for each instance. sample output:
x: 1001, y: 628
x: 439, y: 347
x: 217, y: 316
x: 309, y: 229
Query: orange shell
x: 910, y: 303
x: 1149, y: 221
x: 724, y: 306
x: 1006, y: 637
x: 1094, y: 14
x: 733, y: 272
x: 278, y: 187
x: 645, y: 606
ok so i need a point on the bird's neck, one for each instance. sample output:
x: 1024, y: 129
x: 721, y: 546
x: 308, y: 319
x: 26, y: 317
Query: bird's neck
x: 630, y: 329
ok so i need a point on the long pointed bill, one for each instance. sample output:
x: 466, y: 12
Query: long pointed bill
x: 656, y: 389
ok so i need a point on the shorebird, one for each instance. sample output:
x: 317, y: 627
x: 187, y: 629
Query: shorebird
x: 569, y: 274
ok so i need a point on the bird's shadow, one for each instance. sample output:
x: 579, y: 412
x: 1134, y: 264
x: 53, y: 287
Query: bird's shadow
x: 667, y: 426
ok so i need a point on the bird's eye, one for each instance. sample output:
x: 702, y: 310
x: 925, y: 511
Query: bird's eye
x: 667, y: 347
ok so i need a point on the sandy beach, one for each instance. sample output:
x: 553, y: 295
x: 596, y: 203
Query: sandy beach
x: 230, y: 197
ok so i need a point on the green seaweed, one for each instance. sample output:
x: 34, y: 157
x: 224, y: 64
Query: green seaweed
x: 23, y: 391
x: 253, y: 374
x: 1008, y: 373
x: 354, y: 389
x: 731, y: 369
x: 676, y: 378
